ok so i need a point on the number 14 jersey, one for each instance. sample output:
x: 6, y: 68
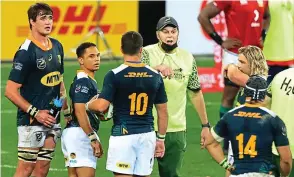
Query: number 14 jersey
x: 252, y: 130
x: 133, y: 88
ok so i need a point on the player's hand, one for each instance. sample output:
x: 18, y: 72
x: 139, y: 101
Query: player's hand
x: 97, y: 148
x: 204, y: 136
x: 231, y: 43
x: 45, y: 118
x: 159, y: 149
x: 165, y: 70
x: 231, y: 168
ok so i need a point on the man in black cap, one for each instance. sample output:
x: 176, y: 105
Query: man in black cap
x: 178, y: 67
x: 252, y: 129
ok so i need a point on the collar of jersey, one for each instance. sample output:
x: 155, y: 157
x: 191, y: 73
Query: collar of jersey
x: 39, y: 44
x: 79, y: 71
x: 252, y: 105
x: 134, y: 63
x: 171, y: 52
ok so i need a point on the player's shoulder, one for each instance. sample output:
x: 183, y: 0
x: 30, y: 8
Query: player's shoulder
x: 55, y: 42
x: 151, y: 69
x: 268, y: 111
x: 236, y: 109
x: 25, y: 46
x: 118, y: 69
x: 82, y: 77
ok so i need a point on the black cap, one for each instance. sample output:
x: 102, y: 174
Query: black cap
x: 166, y: 21
x: 256, y: 88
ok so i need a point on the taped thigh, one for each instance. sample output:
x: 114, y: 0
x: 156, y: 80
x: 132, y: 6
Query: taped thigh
x: 46, y: 154
x: 27, y: 155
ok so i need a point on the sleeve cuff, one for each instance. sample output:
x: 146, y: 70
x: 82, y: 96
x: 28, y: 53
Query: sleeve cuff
x: 194, y: 89
x: 216, y: 136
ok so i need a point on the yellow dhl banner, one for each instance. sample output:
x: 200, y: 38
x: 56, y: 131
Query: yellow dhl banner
x: 72, y: 22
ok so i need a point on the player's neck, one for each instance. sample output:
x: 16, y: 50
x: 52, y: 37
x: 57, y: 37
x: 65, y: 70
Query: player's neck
x: 90, y: 73
x: 132, y: 58
x: 44, y: 40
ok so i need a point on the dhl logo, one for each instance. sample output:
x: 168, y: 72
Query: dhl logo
x: 72, y: 20
x: 248, y: 114
x: 138, y: 74
x: 51, y: 79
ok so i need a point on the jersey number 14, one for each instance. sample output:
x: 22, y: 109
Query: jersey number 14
x: 139, y: 103
x: 249, y: 148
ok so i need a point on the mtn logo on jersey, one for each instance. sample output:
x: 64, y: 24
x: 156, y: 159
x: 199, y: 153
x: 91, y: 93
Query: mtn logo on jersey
x: 248, y: 114
x: 137, y: 74
x: 51, y: 79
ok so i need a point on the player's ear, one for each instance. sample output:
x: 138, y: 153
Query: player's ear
x: 157, y: 35
x: 32, y: 22
x: 81, y: 60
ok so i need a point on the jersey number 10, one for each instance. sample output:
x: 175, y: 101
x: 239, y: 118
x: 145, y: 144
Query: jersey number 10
x: 249, y: 148
x: 136, y: 103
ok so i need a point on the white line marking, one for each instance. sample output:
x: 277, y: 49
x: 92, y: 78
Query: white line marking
x: 51, y: 169
x: 9, y: 111
x: 4, y: 152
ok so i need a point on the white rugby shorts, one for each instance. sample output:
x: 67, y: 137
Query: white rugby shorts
x: 132, y: 154
x: 77, y: 149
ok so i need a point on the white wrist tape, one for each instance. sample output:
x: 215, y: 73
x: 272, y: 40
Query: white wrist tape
x: 93, y: 137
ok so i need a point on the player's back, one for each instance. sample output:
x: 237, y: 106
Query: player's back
x: 252, y: 130
x: 137, y: 89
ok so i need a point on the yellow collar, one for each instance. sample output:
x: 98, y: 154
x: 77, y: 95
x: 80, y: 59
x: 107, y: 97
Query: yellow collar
x: 37, y: 43
x: 137, y: 65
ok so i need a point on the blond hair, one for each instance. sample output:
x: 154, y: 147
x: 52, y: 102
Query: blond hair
x: 256, y: 59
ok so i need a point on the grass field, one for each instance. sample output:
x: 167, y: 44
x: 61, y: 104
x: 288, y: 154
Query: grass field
x: 197, y: 162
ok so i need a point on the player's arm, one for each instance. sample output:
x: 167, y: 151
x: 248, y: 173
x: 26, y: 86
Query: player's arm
x: 79, y: 99
x: 65, y: 106
x: 18, y: 75
x: 161, y: 108
x: 208, y: 12
x: 162, y: 121
x: 106, y: 95
x: 213, y: 144
x: 265, y: 22
x: 235, y: 75
x: 282, y: 143
x: 195, y: 93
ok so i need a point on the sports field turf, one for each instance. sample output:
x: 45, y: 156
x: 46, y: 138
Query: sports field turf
x: 197, y: 162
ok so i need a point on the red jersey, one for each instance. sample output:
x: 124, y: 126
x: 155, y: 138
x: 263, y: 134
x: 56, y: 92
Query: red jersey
x: 244, y: 20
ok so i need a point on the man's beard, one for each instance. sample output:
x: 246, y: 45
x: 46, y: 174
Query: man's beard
x: 168, y: 48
